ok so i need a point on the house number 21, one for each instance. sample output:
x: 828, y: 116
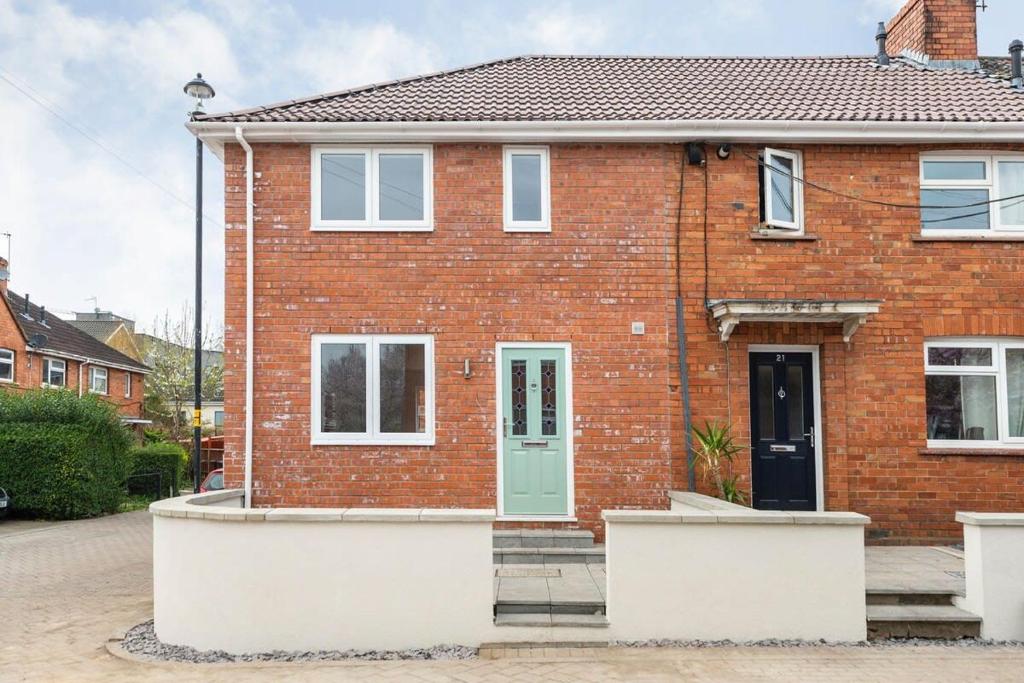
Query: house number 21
x: 780, y: 357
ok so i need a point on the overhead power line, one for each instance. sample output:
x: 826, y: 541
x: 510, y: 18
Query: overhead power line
x: 37, y: 98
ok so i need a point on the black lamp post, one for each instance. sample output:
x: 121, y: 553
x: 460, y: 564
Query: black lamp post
x: 200, y: 90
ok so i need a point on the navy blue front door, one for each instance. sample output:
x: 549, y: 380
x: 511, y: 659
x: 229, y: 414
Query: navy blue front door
x: 782, y: 431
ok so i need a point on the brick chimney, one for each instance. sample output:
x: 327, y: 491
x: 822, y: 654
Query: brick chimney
x: 944, y: 32
x: 5, y: 275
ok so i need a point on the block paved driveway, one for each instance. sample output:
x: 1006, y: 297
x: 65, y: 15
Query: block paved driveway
x: 65, y: 588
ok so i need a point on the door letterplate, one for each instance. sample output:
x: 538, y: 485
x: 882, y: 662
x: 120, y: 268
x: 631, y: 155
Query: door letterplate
x: 535, y: 444
x: 782, y: 448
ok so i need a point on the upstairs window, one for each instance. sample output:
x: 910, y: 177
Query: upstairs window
x: 372, y: 188
x: 97, y: 380
x: 782, y: 191
x: 6, y: 365
x: 527, y: 192
x: 54, y: 372
x: 127, y: 385
x: 957, y: 193
x: 974, y: 392
x: 373, y: 389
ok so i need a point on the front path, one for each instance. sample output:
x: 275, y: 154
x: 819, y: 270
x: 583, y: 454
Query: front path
x: 65, y: 588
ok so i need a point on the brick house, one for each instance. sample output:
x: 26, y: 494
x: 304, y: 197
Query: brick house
x: 38, y: 349
x: 517, y: 284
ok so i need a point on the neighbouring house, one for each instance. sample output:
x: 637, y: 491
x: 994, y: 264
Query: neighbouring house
x: 517, y: 284
x: 38, y: 349
x: 112, y: 330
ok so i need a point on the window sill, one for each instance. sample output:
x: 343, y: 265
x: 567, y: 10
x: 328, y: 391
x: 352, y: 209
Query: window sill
x: 967, y: 238
x: 371, y: 228
x: 781, y: 236
x: 978, y: 452
x: 372, y: 442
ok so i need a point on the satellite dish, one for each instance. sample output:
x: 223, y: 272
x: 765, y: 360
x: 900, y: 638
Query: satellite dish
x: 38, y: 340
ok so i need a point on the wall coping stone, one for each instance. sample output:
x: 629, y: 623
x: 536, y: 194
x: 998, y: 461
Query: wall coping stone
x: 205, y: 506
x: 732, y: 517
x: 991, y: 518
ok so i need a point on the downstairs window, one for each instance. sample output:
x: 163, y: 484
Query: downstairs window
x: 974, y: 392
x: 373, y: 389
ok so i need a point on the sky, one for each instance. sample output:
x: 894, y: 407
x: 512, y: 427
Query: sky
x: 97, y: 187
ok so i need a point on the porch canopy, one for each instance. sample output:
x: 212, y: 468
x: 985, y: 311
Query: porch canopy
x: 731, y: 312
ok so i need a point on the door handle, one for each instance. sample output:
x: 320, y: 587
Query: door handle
x: 535, y: 444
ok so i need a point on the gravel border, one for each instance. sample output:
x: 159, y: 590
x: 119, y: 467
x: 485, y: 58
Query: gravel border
x: 772, y: 642
x: 141, y: 640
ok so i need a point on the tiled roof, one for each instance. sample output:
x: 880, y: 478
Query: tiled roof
x: 997, y: 66
x: 578, y: 88
x: 100, y: 329
x: 63, y: 337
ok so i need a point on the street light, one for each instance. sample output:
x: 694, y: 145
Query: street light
x: 201, y: 91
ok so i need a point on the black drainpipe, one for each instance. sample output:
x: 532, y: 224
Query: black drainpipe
x: 684, y: 375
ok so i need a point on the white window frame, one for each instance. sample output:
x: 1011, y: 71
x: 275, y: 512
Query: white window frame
x: 7, y: 357
x: 95, y: 372
x: 797, y: 158
x: 544, y: 224
x: 998, y: 346
x: 990, y: 183
x: 373, y: 435
x: 48, y: 364
x: 372, y: 222
x: 127, y: 385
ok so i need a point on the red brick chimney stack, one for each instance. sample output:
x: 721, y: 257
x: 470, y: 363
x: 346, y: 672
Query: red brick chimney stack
x: 5, y: 275
x: 946, y: 31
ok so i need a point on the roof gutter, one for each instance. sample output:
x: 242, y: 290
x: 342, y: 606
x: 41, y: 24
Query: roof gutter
x: 215, y: 134
x: 249, y: 253
x: 85, y: 359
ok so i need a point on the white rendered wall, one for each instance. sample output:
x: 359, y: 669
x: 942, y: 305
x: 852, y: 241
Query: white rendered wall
x: 740, y: 576
x: 322, y: 583
x: 994, y: 562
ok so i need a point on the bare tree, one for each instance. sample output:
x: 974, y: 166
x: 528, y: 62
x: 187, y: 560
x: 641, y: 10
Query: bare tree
x: 169, y: 352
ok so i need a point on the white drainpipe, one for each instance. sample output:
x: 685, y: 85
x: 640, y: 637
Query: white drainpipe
x: 249, y: 249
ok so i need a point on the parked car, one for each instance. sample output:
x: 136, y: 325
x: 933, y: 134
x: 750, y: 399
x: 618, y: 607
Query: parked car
x: 214, y: 481
x: 5, y: 503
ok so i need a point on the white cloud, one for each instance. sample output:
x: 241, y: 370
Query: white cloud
x: 873, y: 11
x: 338, y: 55
x: 562, y: 30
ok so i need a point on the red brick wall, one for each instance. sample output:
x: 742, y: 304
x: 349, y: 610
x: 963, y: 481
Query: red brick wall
x: 941, y: 29
x: 873, y: 387
x: 607, y: 262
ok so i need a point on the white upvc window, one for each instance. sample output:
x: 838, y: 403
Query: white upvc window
x: 372, y: 389
x: 127, y: 385
x: 957, y: 192
x: 974, y: 392
x: 372, y: 188
x: 55, y: 372
x: 527, y: 189
x: 6, y: 365
x: 782, y: 189
x: 97, y: 380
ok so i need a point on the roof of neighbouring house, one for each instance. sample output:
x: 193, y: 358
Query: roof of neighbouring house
x: 100, y: 329
x: 608, y: 88
x: 64, y: 338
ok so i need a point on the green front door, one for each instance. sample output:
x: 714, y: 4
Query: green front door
x: 534, y: 431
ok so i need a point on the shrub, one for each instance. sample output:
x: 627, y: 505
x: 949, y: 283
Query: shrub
x: 168, y: 459
x: 62, y: 456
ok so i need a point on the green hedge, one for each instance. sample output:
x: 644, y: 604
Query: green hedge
x: 62, y: 456
x: 168, y: 459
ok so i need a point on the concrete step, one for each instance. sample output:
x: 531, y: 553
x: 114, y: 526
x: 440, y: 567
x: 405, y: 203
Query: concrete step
x: 549, y: 607
x: 543, y: 538
x: 910, y: 596
x: 921, y: 621
x: 592, y: 555
x: 552, y: 620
